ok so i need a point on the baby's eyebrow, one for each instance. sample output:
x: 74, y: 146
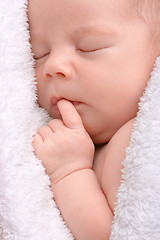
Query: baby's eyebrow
x: 95, y: 29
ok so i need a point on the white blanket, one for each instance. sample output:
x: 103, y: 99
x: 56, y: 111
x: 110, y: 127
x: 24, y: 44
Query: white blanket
x: 27, y: 209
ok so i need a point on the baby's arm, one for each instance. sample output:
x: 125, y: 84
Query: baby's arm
x: 67, y: 152
x: 84, y: 206
x: 115, y: 153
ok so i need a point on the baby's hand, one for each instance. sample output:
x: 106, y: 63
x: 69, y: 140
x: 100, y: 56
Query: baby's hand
x: 64, y: 146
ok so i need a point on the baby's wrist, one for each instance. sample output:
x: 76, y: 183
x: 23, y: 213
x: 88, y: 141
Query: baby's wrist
x: 56, y: 179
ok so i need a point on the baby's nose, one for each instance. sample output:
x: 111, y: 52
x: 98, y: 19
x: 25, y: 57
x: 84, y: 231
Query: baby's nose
x: 58, y: 66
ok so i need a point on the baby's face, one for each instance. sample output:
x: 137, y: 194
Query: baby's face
x: 92, y: 54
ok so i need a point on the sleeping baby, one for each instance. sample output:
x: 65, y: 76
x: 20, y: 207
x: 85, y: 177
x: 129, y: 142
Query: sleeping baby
x: 92, y: 63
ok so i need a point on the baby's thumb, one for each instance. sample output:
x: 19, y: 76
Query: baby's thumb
x: 70, y: 116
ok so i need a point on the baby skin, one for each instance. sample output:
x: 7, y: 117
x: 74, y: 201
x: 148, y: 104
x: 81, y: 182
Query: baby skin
x: 92, y: 64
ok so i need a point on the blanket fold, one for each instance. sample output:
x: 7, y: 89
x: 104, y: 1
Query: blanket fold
x: 27, y: 208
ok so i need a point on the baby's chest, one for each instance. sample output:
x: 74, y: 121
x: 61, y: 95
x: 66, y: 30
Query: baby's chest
x: 108, y: 174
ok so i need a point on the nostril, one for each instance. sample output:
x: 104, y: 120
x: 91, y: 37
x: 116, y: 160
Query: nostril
x: 48, y: 75
x: 61, y: 74
x: 57, y: 73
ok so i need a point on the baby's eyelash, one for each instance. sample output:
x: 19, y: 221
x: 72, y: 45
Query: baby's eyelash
x: 38, y: 58
x: 90, y: 50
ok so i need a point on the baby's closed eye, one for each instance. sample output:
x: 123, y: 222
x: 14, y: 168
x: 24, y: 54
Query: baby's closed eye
x: 38, y: 57
x: 92, y: 44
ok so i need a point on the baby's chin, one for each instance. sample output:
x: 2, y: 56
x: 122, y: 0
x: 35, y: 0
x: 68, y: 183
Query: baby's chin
x: 99, y: 137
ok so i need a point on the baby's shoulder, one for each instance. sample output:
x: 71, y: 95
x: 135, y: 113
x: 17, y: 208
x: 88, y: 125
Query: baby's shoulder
x: 114, y: 154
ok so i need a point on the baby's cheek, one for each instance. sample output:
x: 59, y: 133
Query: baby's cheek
x: 41, y: 93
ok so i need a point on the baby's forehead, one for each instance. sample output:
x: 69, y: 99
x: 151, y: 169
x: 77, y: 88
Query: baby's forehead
x: 127, y: 9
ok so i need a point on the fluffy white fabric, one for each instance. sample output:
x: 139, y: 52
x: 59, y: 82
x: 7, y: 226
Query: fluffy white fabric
x: 27, y: 209
x: 137, y: 215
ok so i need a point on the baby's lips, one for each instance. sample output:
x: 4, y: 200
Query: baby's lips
x: 55, y: 108
x: 75, y: 103
x: 55, y: 100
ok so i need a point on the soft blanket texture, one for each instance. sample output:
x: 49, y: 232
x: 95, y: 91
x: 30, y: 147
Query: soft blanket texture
x: 27, y: 209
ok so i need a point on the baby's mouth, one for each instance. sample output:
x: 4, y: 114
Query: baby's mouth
x: 54, y: 101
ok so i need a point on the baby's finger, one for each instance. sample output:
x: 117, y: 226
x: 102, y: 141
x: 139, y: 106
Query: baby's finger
x: 37, y: 140
x: 55, y: 124
x: 37, y: 144
x: 70, y: 116
x: 45, y: 132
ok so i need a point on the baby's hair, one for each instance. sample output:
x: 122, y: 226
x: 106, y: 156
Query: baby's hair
x: 149, y: 12
x: 146, y: 9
